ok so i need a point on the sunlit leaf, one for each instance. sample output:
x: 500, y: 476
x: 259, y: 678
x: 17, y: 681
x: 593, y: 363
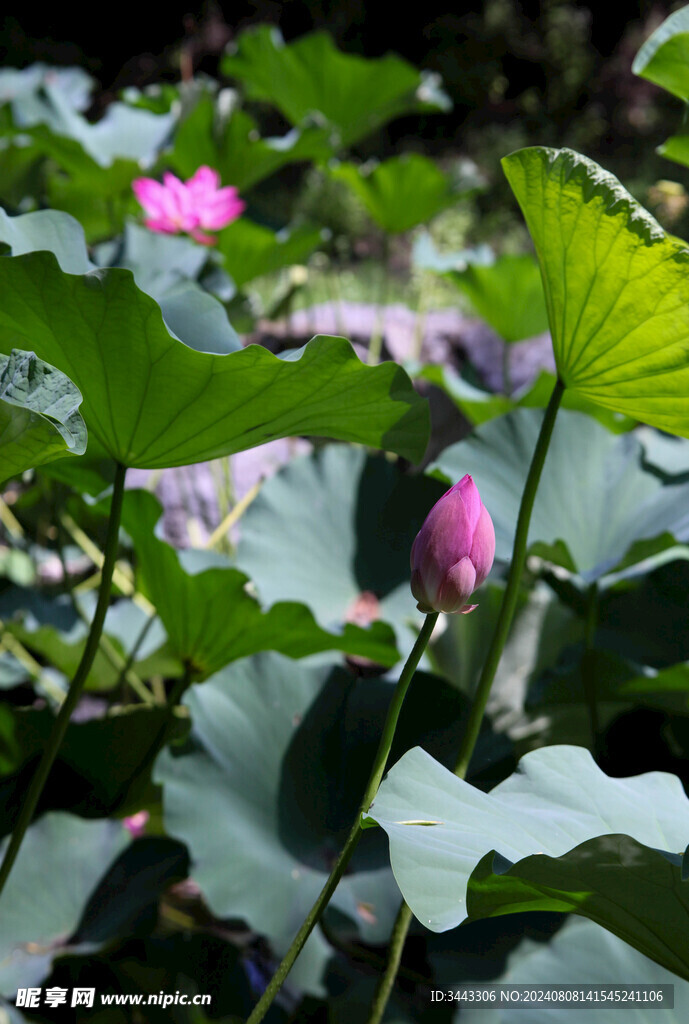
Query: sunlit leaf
x: 616, y: 287
x: 664, y: 57
x: 151, y: 401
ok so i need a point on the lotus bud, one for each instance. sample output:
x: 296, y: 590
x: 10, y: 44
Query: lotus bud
x: 453, y: 551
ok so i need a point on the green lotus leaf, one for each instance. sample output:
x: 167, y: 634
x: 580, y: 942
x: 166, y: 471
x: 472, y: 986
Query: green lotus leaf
x: 360, y: 95
x: 103, y: 766
x: 39, y: 414
x: 150, y: 401
x: 635, y: 892
x: 233, y: 146
x: 664, y: 57
x: 402, y: 192
x: 38, y: 918
x: 557, y: 800
x: 249, y: 250
x: 507, y: 294
x: 616, y: 287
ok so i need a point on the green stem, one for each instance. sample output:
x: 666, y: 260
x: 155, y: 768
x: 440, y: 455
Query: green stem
x: 478, y: 707
x: 374, y: 781
x: 588, y: 665
x: 77, y: 685
x: 386, y: 984
x: 375, y: 345
x: 514, y: 576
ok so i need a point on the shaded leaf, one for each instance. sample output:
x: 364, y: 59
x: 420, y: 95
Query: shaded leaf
x: 212, y: 619
x: 249, y: 250
x: 635, y: 892
x: 401, y: 192
x: 507, y: 294
x: 594, y: 500
x: 39, y: 414
x: 37, y: 919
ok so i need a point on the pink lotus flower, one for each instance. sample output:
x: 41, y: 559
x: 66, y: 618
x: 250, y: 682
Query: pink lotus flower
x: 194, y: 207
x: 453, y: 551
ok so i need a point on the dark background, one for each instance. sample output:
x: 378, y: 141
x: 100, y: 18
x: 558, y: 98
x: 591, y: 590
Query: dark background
x: 550, y: 72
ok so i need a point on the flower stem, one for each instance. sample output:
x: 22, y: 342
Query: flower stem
x: 77, y: 685
x: 478, y: 707
x: 588, y: 665
x: 374, y: 781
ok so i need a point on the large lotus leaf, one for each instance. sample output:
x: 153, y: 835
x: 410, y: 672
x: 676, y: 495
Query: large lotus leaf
x: 103, y: 766
x: 594, y: 497
x: 266, y: 790
x: 39, y: 414
x: 582, y: 953
x: 249, y: 250
x: 210, y: 617
x: 635, y: 892
x: 664, y: 57
x: 311, y: 79
x: 234, y: 147
x: 479, y: 406
x: 440, y: 827
x: 334, y: 530
x: 124, y: 131
x: 507, y: 294
x: 616, y: 287
x: 49, y: 230
x: 400, y: 193
x: 62, y: 860
x: 162, y: 266
x: 152, y: 402
x: 74, y: 83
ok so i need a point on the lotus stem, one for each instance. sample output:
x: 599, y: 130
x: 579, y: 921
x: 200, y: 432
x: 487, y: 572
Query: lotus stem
x: 478, y: 707
x: 374, y: 781
x: 77, y: 685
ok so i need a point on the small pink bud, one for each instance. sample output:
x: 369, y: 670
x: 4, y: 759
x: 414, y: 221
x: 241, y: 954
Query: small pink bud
x: 135, y: 824
x: 453, y: 551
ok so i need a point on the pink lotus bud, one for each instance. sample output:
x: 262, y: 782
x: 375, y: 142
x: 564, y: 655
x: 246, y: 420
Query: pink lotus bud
x: 453, y: 551
x: 135, y: 824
